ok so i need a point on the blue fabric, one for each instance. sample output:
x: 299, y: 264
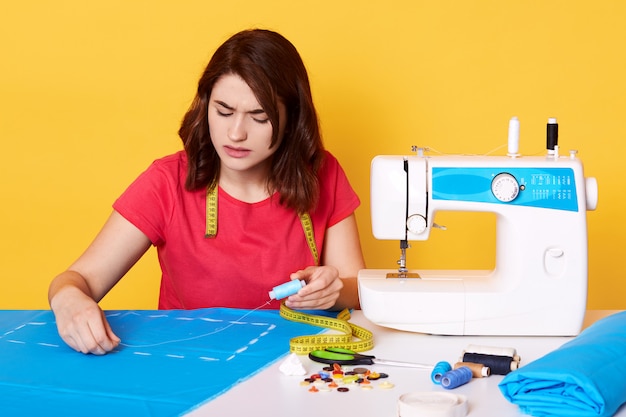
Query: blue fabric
x: 172, y: 361
x: 584, y: 377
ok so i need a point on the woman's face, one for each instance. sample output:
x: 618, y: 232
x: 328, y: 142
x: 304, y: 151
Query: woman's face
x: 240, y: 129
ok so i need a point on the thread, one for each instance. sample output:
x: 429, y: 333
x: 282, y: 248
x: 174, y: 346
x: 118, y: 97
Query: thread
x: 499, y: 365
x: 552, y: 135
x: 285, y: 290
x: 438, y: 371
x: 513, y: 139
x: 478, y: 369
x: 232, y: 323
x: 456, y: 377
x: 493, y: 350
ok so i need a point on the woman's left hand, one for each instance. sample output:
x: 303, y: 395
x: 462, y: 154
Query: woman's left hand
x: 322, y: 289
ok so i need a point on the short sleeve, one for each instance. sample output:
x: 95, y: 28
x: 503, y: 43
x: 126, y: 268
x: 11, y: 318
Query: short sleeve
x: 148, y: 202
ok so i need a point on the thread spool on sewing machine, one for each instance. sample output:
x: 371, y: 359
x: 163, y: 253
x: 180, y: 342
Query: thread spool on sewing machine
x: 539, y: 283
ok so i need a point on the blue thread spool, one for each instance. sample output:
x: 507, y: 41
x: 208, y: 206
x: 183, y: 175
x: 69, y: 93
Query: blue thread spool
x: 438, y: 371
x: 286, y: 289
x: 456, y: 378
x: 499, y: 365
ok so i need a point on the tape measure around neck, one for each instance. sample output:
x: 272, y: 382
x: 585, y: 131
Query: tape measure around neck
x: 345, y: 339
x: 211, y: 212
x: 211, y: 223
x: 307, y: 226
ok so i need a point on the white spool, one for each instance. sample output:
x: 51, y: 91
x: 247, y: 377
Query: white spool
x: 513, y: 142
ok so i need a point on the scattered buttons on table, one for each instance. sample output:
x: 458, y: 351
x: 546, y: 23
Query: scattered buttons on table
x: 335, y: 378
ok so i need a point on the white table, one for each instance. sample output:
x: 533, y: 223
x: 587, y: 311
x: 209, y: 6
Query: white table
x: 272, y: 393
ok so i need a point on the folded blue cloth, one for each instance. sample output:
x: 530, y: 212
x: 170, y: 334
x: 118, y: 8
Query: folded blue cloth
x: 584, y: 377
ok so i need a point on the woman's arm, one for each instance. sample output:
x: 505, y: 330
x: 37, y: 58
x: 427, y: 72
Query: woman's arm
x: 74, y: 294
x: 334, y: 283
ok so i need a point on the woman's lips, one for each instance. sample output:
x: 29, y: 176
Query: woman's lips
x: 236, y: 152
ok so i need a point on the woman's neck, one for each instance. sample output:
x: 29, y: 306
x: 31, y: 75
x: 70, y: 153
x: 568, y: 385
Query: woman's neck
x: 244, y: 186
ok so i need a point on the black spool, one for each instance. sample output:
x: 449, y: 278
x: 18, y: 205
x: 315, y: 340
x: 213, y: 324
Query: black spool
x: 552, y: 135
x: 499, y: 365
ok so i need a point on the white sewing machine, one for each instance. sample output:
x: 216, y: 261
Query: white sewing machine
x: 539, y: 283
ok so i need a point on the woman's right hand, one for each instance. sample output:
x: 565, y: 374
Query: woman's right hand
x: 75, y: 293
x: 81, y: 323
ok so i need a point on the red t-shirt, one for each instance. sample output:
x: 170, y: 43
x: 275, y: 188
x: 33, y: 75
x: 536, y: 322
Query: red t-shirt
x: 257, y: 245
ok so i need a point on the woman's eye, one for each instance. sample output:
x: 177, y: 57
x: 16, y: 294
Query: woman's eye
x: 261, y: 121
x: 223, y: 113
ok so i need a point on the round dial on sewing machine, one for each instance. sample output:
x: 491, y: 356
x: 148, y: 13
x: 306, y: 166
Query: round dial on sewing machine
x: 416, y: 224
x: 505, y: 187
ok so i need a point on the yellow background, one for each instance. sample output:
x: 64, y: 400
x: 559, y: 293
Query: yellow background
x: 91, y: 92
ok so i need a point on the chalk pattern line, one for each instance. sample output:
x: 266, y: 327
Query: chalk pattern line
x: 12, y: 336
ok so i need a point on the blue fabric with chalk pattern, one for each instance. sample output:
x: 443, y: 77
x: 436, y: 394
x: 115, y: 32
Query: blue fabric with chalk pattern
x: 169, y: 362
x: 584, y: 377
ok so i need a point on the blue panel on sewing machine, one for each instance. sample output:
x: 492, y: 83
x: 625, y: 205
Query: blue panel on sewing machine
x: 552, y: 188
x: 169, y: 361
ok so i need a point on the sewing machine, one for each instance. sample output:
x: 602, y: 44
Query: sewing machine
x: 539, y: 283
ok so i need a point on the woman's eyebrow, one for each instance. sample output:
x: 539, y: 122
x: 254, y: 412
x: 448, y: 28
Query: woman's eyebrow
x: 226, y: 106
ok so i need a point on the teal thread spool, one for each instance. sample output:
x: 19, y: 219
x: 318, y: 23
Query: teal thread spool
x: 286, y: 289
x: 438, y: 371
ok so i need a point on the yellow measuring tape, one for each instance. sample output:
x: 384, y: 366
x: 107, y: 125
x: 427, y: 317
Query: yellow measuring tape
x: 345, y: 339
x: 211, y: 212
x: 211, y: 223
x: 304, y: 344
x: 307, y: 226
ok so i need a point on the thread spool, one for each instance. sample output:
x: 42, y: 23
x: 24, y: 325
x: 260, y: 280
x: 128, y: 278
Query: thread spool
x: 513, y: 139
x: 493, y: 350
x: 499, y: 365
x: 285, y: 290
x: 456, y: 377
x: 552, y: 136
x: 478, y: 369
x: 438, y: 371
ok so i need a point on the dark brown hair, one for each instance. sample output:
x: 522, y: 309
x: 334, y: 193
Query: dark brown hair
x: 273, y: 69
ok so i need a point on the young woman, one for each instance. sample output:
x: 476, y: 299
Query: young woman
x: 253, y: 201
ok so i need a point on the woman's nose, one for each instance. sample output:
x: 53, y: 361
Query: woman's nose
x: 237, y: 131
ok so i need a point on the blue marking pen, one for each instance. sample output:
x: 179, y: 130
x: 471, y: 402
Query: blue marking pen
x: 286, y: 289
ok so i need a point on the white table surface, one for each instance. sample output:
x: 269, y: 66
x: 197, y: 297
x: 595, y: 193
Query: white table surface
x: 271, y: 393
